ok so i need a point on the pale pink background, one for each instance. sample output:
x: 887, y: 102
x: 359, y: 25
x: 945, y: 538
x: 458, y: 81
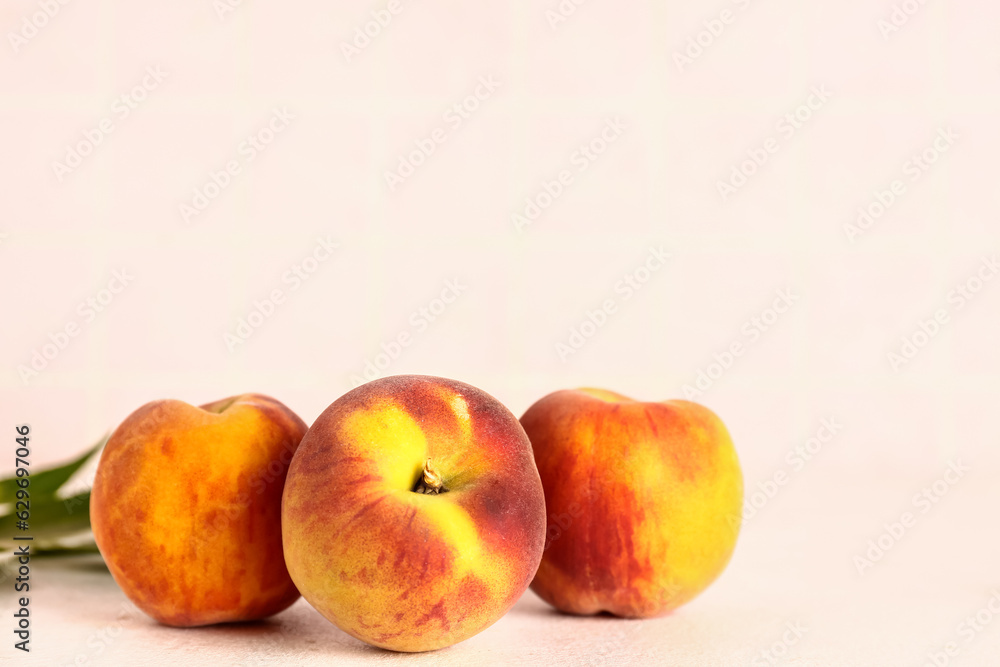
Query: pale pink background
x: 655, y: 186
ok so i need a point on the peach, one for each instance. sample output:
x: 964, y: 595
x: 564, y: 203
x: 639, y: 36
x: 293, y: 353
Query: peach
x: 186, y: 509
x: 413, y: 515
x: 643, y: 500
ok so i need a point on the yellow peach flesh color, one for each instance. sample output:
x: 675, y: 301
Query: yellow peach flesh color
x: 388, y: 563
x: 643, y: 499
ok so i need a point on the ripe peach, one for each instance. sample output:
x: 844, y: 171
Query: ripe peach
x: 413, y: 515
x: 643, y: 501
x: 186, y: 508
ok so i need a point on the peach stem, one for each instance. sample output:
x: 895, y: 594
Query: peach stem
x: 430, y: 482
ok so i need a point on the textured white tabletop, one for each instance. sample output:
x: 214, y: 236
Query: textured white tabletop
x: 532, y: 156
x: 791, y: 596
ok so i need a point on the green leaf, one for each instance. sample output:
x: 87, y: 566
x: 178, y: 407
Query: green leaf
x: 50, y: 520
x: 47, y: 482
x: 56, y: 551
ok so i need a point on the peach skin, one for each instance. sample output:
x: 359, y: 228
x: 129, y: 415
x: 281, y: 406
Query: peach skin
x: 413, y: 515
x: 186, y: 509
x: 643, y: 501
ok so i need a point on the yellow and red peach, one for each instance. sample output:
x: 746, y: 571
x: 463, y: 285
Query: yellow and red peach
x: 643, y: 501
x: 186, y: 509
x: 413, y: 515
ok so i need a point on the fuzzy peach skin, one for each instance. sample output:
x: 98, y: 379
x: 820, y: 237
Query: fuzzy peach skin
x: 186, y: 508
x: 402, y: 569
x: 644, y: 501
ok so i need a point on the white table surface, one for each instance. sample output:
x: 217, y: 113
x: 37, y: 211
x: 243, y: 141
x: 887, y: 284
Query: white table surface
x: 793, y: 564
